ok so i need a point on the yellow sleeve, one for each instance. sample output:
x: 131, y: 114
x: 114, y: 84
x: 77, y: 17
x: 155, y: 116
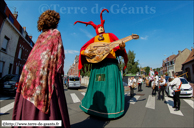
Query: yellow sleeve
x: 82, y: 52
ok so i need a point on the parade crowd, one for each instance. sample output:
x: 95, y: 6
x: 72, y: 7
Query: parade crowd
x: 158, y: 85
x: 40, y: 88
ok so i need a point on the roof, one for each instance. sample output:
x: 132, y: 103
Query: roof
x: 190, y: 57
x: 170, y: 58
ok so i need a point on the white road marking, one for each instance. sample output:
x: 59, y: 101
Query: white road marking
x: 6, y: 108
x: 74, y: 98
x: 190, y: 102
x: 150, y: 102
x: 134, y: 99
x: 83, y: 93
x: 170, y: 104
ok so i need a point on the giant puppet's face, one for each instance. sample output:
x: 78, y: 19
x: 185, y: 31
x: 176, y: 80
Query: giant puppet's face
x: 100, y: 29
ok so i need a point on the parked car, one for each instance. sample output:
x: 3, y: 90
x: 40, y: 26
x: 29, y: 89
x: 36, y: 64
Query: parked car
x: 73, y: 82
x: 9, y: 83
x: 186, y: 89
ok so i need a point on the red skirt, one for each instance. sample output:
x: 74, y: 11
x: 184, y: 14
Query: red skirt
x: 25, y: 110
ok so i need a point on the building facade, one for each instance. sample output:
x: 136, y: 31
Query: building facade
x: 180, y: 59
x: 174, y: 63
x: 73, y: 70
x: 14, y: 42
x: 8, y: 43
x: 168, y: 65
x: 188, y: 66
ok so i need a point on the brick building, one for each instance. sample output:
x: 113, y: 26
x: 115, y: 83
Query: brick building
x: 73, y: 70
x: 15, y: 44
x: 2, y: 14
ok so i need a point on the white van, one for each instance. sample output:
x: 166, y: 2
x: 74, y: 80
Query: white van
x: 73, y: 82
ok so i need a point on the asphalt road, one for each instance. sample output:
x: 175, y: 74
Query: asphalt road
x: 141, y: 111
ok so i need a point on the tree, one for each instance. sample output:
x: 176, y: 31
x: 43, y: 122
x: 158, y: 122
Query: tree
x: 121, y: 64
x: 147, y: 70
x: 132, y: 65
x: 86, y: 70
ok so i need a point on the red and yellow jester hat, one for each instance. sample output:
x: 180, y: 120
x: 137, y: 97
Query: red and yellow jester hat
x: 94, y: 25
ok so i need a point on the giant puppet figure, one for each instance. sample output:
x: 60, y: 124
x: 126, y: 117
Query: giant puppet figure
x: 105, y: 93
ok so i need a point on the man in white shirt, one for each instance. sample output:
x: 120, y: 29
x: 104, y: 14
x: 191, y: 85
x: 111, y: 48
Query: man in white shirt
x: 154, y: 86
x: 176, y: 85
x: 130, y: 83
x: 140, y: 80
x: 151, y: 76
x: 157, y: 79
x: 161, y: 87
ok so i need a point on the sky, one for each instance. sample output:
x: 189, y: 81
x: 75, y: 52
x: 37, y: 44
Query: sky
x: 164, y: 27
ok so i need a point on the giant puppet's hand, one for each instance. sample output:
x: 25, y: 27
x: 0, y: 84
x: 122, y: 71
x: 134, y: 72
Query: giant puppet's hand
x: 89, y: 54
x: 122, y: 46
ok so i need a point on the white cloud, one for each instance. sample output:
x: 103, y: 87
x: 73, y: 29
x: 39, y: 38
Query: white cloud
x: 87, y: 33
x: 144, y: 38
x: 71, y: 51
x: 73, y: 34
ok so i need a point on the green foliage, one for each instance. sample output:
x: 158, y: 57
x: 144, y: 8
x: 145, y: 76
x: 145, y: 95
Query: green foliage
x: 86, y: 70
x: 132, y: 65
x: 147, y: 70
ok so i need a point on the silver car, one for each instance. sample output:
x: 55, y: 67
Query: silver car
x: 73, y: 82
x: 186, y: 89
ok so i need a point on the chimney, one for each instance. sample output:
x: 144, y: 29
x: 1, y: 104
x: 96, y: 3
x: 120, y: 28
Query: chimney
x: 15, y: 14
x: 30, y: 37
x: 24, y: 29
x: 191, y: 48
x: 179, y: 52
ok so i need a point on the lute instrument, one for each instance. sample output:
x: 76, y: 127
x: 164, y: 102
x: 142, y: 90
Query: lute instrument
x: 100, y: 50
x: 163, y: 81
x: 154, y: 85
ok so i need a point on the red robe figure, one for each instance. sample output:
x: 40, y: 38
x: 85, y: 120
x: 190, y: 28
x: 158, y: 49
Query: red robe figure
x: 105, y: 93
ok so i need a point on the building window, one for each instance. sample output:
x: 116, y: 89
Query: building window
x: 193, y: 68
x: 20, y: 54
x: 10, y: 68
x: 1, y: 68
x: 5, y: 42
x: 173, y: 62
x: 31, y: 43
x: 11, y: 19
x: 17, y: 69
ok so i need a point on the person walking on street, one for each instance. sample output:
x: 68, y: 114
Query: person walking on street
x: 157, y: 80
x: 140, y: 80
x: 154, y: 85
x: 162, y: 82
x: 176, y: 85
x: 130, y: 84
x: 151, y: 76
